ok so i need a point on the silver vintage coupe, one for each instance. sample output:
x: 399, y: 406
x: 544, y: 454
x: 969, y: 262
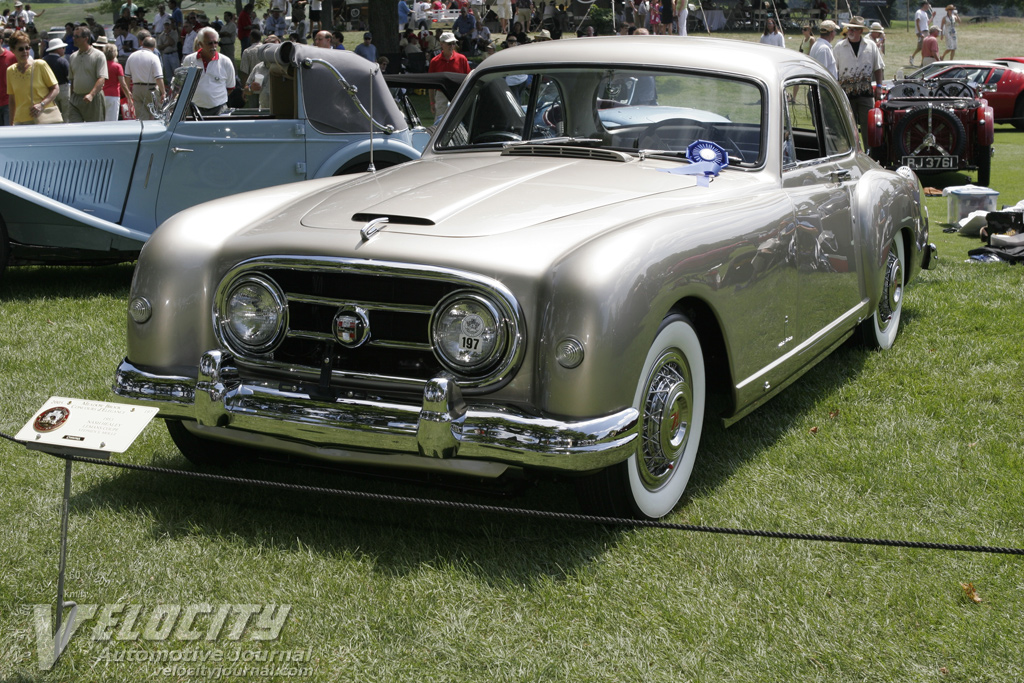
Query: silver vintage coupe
x: 600, y: 233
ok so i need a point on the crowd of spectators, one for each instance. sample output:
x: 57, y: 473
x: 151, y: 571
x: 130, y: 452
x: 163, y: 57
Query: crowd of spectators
x: 139, y: 84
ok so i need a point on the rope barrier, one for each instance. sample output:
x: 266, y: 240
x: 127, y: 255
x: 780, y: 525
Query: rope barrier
x: 543, y: 514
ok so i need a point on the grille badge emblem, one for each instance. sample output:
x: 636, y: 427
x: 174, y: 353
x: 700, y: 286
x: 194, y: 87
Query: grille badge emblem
x: 351, y: 326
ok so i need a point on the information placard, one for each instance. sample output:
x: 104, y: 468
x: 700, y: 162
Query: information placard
x: 87, y: 425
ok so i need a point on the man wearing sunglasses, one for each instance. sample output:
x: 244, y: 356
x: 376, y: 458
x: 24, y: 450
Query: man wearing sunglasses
x: 218, y: 77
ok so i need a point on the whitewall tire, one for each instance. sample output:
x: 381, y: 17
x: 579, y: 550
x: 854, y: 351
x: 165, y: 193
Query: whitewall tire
x: 879, y: 331
x: 670, y: 398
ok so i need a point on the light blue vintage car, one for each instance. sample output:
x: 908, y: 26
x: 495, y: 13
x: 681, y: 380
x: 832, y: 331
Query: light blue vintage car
x: 94, y: 193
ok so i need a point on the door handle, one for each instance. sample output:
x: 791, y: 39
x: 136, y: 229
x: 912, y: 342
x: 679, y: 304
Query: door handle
x: 840, y: 176
x: 180, y: 149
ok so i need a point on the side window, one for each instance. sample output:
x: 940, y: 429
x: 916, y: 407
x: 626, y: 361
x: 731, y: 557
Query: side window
x: 837, y: 125
x: 994, y: 78
x: 816, y: 126
x: 801, y: 136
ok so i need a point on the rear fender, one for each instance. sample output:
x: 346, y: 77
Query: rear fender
x: 986, y: 126
x: 876, y: 130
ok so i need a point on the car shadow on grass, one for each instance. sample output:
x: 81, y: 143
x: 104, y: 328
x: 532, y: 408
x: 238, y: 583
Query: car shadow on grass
x: 398, y: 537
x: 401, y: 536
x: 27, y: 283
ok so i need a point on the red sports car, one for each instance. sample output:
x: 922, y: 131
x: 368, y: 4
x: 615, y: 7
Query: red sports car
x: 1001, y: 81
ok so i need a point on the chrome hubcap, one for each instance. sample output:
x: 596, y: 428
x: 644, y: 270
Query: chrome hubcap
x: 892, y: 292
x: 667, y: 414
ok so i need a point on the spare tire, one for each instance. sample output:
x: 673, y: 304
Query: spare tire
x: 930, y: 131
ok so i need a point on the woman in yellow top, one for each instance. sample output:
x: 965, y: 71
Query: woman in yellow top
x: 26, y: 74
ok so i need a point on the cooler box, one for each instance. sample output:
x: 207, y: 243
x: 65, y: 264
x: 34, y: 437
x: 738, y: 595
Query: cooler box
x: 963, y: 199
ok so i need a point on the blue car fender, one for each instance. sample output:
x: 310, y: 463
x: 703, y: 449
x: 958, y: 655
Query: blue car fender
x: 353, y: 158
x: 33, y: 219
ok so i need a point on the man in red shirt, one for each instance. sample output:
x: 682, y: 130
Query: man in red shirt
x: 448, y: 61
x: 7, y: 59
x: 245, y: 25
x: 930, y: 47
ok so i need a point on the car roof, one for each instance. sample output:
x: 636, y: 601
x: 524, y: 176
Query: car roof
x: 742, y: 58
x: 967, y: 62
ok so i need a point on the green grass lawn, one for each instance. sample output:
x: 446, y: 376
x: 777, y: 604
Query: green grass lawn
x: 923, y: 442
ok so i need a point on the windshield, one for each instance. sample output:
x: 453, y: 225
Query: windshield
x: 173, y: 91
x: 628, y: 110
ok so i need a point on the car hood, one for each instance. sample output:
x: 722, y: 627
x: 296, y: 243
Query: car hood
x: 489, y: 195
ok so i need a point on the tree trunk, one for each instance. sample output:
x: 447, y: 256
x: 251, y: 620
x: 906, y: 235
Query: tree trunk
x: 384, y: 25
x: 327, y: 16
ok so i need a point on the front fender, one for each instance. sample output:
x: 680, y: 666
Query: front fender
x: 393, y: 150
x: 35, y: 220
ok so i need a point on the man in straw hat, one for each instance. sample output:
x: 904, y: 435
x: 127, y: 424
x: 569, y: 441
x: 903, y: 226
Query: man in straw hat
x: 821, y: 51
x: 877, y: 36
x: 54, y: 57
x: 858, y: 63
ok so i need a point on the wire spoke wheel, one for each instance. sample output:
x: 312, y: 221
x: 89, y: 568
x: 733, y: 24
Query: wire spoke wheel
x: 879, y: 331
x: 930, y: 131
x: 670, y: 397
x: 668, y: 411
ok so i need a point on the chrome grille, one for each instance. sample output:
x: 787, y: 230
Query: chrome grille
x: 74, y: 181
x: 399, y: 300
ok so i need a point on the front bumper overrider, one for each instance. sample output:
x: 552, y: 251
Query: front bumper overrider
x: 441, y: 427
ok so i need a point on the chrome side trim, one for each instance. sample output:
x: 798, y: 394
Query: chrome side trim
x: 442, y: 427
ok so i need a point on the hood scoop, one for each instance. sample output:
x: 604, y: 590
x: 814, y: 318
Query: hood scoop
x: 392, y: 219
x: 565, y: 152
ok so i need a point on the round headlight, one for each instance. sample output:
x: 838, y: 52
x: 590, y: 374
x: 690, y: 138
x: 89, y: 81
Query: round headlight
x: 255, y: 313
x: 468, y: 332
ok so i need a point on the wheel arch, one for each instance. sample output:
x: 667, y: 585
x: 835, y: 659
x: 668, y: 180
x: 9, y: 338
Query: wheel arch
x: 354, y: 158
x: 706, y: 323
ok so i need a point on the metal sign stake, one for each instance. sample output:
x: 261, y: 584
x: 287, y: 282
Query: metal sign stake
x: 61, y: 637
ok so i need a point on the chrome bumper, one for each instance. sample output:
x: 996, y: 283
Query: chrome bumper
x: 442, y: 427
x: 929, y: 256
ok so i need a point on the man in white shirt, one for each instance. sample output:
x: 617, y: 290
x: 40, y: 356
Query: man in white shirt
x: 821, y: 51
x: 218, y: 76
x: 922, y: 19
x: 859, y: 64
x: 30, y: 16
x: 126, y: 43
x: 161, y: 18
x: 145, y: 73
